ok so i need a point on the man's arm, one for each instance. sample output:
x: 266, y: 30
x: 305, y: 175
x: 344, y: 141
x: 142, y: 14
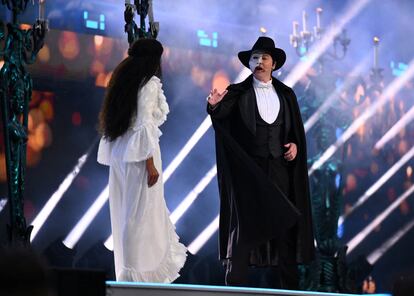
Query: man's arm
x: 293, y: 144
x: 221, y: 107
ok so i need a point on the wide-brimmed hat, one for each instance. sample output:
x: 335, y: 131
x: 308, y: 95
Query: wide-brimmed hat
x: 266, y: 45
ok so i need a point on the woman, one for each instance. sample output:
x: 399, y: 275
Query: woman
x: 146, y: 247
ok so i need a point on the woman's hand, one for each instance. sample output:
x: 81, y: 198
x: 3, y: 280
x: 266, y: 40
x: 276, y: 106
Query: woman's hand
x: 292, y: 151
x: 215, y: 97
x: 153, y: 174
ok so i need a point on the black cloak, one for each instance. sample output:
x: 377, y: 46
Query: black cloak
x: 252, y: 209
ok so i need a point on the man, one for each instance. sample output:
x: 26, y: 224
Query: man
x: 265, y: 213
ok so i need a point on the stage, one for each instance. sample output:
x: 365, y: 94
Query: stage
x: 146, y: 289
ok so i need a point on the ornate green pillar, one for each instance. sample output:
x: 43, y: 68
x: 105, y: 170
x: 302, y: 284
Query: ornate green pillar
x: 143, y: 9
x: 19, y: 48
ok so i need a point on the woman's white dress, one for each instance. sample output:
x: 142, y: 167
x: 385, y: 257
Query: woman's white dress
x: 146, y: 246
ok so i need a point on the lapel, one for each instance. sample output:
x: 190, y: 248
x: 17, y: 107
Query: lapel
x: 247, y: 105
x: 287, y: 109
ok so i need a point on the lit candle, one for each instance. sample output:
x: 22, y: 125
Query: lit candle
x: 318, y: 17
x: 42, y: 9
x: 376, y: 41
x: 295, y: 28
x: 304, y: 17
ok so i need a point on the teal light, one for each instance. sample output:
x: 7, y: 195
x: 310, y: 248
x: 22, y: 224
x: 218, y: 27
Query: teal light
x: 398, y: 68
x: 205, y: 40
x: 98, y: 24
x: 91, y: 24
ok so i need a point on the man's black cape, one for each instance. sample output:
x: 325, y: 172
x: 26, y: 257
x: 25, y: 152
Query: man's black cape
x: 252, y: 209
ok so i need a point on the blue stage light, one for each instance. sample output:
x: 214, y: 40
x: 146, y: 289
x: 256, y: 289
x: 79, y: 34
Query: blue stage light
x: 398, y: 68
x: 98, y: 24
x: 205, y: 40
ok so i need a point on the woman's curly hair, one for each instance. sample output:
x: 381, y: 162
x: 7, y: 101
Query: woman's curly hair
x: 120, y: 103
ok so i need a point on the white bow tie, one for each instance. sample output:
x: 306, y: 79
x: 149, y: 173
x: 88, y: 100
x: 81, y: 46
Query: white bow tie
x: 264, y: 85
x: 261, y: 84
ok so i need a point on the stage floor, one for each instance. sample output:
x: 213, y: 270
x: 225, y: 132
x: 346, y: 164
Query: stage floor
x: 147, y: 289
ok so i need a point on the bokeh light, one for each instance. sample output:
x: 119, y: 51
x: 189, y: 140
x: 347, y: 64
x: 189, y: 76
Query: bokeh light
x: 220, y: 81
x: 69, y: 45
x: 44, y: 54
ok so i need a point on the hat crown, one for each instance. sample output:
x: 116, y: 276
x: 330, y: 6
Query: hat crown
x: 263, y: 43
x: 267, y: 45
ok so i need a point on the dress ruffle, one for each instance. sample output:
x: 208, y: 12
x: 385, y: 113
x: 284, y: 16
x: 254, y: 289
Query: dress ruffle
x: 167, y: 271
x: 141, y: 143
x: 104, y: 152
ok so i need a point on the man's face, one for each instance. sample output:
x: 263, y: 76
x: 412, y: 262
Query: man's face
x: 261, y: 65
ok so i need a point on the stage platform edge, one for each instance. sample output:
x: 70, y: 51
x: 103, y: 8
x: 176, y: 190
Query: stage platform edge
x: 149, y: 289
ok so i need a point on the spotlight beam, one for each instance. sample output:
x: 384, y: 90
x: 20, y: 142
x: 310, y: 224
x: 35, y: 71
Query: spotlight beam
x: 381, y: 181
x: 191, y: 197
x: 109, y: 243
x: 50, y: 205
x: 404, y: 121
x: 73, y: 237
x: 378, y: 253
x: 204, y: 236
x: 389, y: 92
x: 334, y: 96
x: 354, y: 242
x: 198, y: 134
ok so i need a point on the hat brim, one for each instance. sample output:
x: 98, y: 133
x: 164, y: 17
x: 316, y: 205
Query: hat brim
x: 278, y: 55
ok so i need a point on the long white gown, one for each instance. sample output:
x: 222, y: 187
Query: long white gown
x: 146, y: 246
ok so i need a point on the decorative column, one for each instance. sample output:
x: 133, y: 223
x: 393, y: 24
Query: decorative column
x: 20, y: 49
x: 329, y: 272
x: 143, y: 8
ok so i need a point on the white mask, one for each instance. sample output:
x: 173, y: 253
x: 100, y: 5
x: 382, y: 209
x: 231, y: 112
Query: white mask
x: 255, y: 60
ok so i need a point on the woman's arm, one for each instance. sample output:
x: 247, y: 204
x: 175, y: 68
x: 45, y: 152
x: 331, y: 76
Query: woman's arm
x: 153, y: 174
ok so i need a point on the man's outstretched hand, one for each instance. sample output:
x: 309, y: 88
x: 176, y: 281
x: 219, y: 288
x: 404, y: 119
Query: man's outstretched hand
x: 215, y: 97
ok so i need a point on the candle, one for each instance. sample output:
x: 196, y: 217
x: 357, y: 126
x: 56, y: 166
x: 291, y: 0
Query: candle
x: 295, y: 28
x: 42, y: 9
x: 376, y: 41
x: 318, y: 17
x: 304, y: 17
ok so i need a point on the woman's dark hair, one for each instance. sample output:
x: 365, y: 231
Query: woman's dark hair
x: 120, y: 103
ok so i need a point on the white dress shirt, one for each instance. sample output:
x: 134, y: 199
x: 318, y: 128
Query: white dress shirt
x: 267, y: 100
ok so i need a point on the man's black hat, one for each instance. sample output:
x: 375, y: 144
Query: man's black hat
x: 266, y: 45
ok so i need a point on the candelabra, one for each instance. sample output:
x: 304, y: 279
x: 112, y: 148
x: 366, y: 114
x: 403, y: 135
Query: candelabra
x: 20, y: 47
x: 376, y: 72
x: 143, y: 8
x: 302, y: 41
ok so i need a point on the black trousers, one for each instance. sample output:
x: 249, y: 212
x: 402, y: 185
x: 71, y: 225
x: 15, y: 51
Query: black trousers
x: 278, y: 257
